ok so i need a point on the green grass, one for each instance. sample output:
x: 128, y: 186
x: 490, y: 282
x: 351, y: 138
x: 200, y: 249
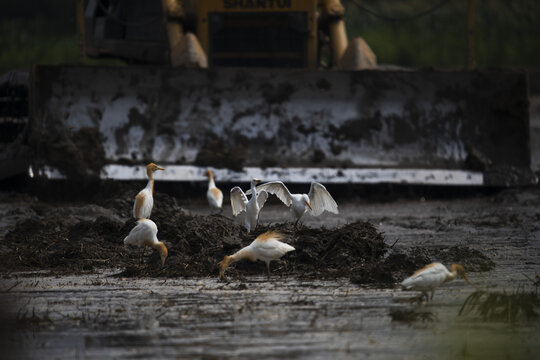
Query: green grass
x: 506, y: 32
x: 34, y: 41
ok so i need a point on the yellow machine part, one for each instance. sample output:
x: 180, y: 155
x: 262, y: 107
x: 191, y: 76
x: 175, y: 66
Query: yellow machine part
x: 259, y: 33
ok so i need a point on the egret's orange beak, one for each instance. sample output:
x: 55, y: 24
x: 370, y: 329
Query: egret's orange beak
x: 159, y: 168
x: 466, y: 278
x: 309, y: 205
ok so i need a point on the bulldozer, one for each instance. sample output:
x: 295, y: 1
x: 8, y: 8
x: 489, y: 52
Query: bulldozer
x: 270, y: 89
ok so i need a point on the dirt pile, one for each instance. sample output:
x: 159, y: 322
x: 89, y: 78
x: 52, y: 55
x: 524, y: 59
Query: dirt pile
x: 65, y: 243
x: 52, y: 243
x: 199, y: 243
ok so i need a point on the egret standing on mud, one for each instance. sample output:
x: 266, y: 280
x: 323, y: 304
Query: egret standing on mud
x: 266, y: 247
x: 144, y: 201
x: 432, y: 276
x: 214, y: 195
x: 239, y: 203
x: 145, y: 234
x: 318, y: 200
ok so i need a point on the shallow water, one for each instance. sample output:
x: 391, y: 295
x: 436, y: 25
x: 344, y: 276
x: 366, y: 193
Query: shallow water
x: 99, y: 316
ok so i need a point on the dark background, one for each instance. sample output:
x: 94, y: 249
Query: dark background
x: 507, y: 33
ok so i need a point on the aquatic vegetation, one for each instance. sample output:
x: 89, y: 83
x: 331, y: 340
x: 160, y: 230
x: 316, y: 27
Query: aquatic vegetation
x: 501, y: 306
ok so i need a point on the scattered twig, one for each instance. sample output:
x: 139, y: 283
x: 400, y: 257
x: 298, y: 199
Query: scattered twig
x: 11, y: 287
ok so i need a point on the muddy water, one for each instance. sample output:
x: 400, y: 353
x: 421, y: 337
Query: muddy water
x: 102, y: 316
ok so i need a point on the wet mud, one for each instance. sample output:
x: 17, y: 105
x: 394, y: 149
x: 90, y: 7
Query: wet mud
x: 65, y: 242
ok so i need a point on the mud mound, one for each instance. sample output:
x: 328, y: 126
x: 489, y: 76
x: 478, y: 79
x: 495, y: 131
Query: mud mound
x: 197, y: 244
x: 51, y: 243
x: 62, y: 240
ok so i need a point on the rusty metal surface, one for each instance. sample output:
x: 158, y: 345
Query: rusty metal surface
x: 231, y: 118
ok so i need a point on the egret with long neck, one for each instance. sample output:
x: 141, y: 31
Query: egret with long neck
x: 144, y: 201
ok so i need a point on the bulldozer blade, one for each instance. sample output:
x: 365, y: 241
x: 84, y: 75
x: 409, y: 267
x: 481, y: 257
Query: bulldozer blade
x: 366, y: 126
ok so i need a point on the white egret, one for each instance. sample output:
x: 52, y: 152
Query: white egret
x: 214, y: 195
x: 145, y: 234
x: 266, y: 247
x: 253, y: 206
x: 432, y: 276
x: 318, y: 200
x: 144, y: 201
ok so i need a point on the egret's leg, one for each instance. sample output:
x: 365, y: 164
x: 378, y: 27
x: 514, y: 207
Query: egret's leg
x: 432, y: 293
x: 268, y: 268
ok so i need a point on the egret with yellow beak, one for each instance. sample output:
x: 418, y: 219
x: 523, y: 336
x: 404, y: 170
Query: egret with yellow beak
x: 266, y: 247
x: 317, y: 200
x: 144, y: 201
x: 145, y: 234
x: 432, y: 276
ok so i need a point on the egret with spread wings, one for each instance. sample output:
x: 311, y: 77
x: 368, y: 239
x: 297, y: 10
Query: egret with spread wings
x: 318, y: 200
x: 253, y: 206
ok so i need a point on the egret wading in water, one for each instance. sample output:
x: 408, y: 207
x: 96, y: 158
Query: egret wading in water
x: 144, y: 234
x: 266, y: 247
x: 432, y: 276
x: 253, y: 206
x: 214, y: 195
x: 144, y: 201
x: 317, y: 201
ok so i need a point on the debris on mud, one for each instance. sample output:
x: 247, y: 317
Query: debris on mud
x: 64, y: 242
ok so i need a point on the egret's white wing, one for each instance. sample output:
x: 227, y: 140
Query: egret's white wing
x: 271, y: 249
x: 430, y: 276
x: 238, y: 200
x: 144, y: 231
x: 321, y: 200
x: 277, y: 188
x: 262, y: 196
x: 142, y: 208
